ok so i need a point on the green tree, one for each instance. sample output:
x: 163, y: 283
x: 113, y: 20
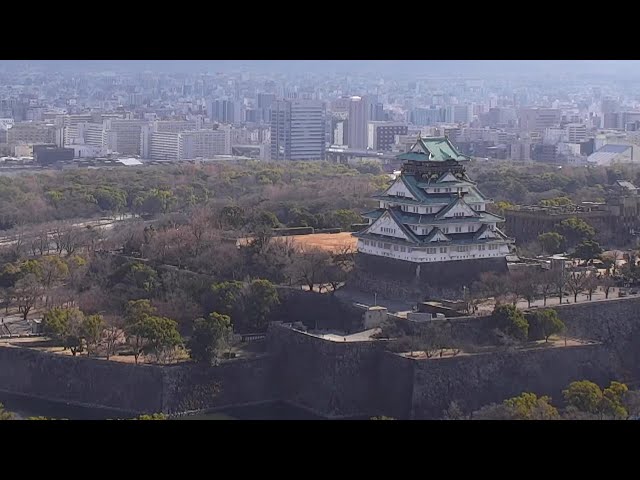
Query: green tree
x: 264, y: 219
x: 528, y: 406
x: 55, y: 197
x: 153, y: 416
x: 260, y: 299
x: 4, y: 414
x: 233, y: 216
x: 66, y: 326
x: 551, y: 242
x: 92, y: 329
x: 613, y: 401
x: 110, y: 199
x: 226, y: 298
x: 210, y: 337
x: 136, y: 312
x: 556, y: 202
x: 511, y: 321
x: 584, y: 396
x: 344, y: 219
x: 157, y: 337
x: 588, y: 250
x: 576, y: 230
x: 548, y: 322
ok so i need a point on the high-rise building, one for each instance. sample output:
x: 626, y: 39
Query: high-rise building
x: 381, y: 136
x: 127, y: 135
x: 609, y: 105
x: 539, y: 119
x: 427, y: 116
x: 31, y: 132
x: 175, y: 146
x: 576, y: 132
x: 459, y: 114
x: 225, y: 111
x: 298, y: 130
x: 360, y: 113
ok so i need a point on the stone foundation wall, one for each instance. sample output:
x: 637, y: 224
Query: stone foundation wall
x: 433, y: 276
x: 344, y: 379
x: 133, y: 388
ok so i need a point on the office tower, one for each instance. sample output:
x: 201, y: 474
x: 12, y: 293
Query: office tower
x: 127, y: 135
x: 381, y: 136
x: 576, y: 132
x: 298, y: 130
x: 360, y: 113
x: 539, y: 119
x: 427, y: 116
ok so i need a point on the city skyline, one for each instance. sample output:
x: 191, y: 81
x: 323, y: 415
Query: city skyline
x: 480, y: 68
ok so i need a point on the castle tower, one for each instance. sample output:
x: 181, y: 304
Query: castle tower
x: 432, y: 222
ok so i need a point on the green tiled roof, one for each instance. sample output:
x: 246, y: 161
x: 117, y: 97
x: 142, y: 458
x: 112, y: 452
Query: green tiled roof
x: 430, y: 199
x: 422, y: 240
x: 434, y: 149
x: 430, y: 219
x: 406, y: 230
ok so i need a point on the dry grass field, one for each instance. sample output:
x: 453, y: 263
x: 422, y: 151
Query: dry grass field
x: 326, y: 241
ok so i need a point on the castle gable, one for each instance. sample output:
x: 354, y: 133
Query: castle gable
x: 458, y: 208
x: 387, y: 225
x: 400, y: 189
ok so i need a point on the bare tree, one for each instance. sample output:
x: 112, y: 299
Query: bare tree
x: 576, y: 283
x: 113, y: 334
x: 27, y: 291
x: 200, y: 226
x: 559, y: 280
x: 496, y: 286
x: 606, y: 282
x: 546, y: 285
x: 525, y: 285
x: 309, y: 267
x: 591, y: 284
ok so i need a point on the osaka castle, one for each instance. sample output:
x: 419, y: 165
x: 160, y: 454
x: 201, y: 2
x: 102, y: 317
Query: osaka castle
x: 432, y: 222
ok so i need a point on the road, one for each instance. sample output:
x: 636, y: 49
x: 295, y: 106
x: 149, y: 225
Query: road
x: 103, y: 224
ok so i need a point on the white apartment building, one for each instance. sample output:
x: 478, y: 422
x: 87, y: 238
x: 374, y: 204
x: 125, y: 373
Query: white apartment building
x: 173, y: 146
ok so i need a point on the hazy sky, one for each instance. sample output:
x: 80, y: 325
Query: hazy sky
x: 419, y: 67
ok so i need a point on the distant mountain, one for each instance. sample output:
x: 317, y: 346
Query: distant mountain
x: 419, y: 67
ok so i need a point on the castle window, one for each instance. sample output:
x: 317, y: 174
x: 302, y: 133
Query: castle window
x: 481, y: 247
x: 395, y: 248
x: 470, y: 228
x: 445, y: 230
x: 379, y: 244
x: 436, y: 190
x: 403, y: 249
x: 443, y: 249
x: 447, y: 190
x: 458, y: 229
x: 400, y: 194
x: 424, y: 231
x: 458, y: 214
x: 431, y: 250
